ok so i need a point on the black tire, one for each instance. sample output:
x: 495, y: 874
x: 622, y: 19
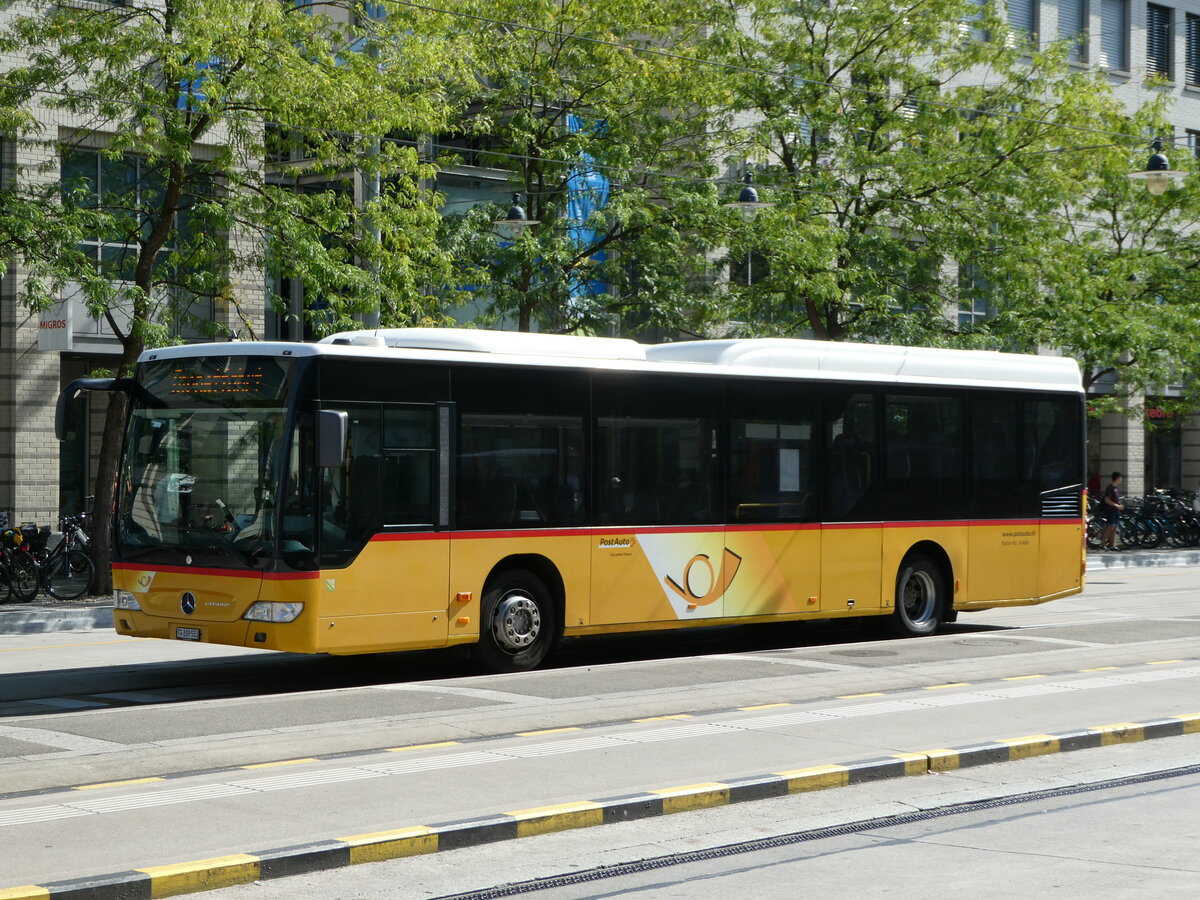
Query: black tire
x: 70, y: 575
x: 24, y: 575
x: 518, y: 624
x: 5, y: 586
x: 921, y: 597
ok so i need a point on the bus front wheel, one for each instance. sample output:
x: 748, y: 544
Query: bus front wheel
x: 920, y: 597
x: 517, y: 624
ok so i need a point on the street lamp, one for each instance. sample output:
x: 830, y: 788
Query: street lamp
x: 516, y: 218
x: 1158, y: 174
x: 747, y: 200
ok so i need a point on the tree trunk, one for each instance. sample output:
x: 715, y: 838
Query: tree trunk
x: 106, y: 489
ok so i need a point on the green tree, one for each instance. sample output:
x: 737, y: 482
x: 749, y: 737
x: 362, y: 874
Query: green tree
x: 909, y: 150
x: 1121, y: 282
x: 608, y: 149
x: 179, y: 97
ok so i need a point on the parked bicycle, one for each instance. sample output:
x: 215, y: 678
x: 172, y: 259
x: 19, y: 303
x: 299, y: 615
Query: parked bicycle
x: 65, y: 567
x: 1160, y: 517
x: 19, y: 574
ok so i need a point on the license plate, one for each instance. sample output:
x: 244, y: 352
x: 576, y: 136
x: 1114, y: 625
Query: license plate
x: 187, y: 634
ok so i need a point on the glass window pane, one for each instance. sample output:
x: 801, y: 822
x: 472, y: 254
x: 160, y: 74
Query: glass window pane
x: 657, y: 471
x: 408, y: 480
x: 924, y: 440
x: 995, y: 470
x: 851, y: 458
x: 520, y: 471
x: 771, y: 453
x: 409, y: 427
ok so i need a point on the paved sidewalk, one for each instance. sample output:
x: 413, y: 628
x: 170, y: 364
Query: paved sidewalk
x: 1125, y: 559
x: 46, y: 615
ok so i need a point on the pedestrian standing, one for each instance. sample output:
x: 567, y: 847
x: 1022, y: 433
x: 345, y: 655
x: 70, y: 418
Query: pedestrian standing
x: 1112, y: 504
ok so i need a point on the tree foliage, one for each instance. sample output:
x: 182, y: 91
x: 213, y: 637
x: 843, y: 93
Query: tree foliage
x: 608, y: 149
x: 911, y: 148
x: 181, y: 99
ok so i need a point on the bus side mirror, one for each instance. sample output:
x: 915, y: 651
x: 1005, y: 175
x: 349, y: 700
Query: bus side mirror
x: 63, y: 418
x: 333, y: 427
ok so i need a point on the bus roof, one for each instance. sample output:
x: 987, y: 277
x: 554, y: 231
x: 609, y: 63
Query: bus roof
x: 761, y: 357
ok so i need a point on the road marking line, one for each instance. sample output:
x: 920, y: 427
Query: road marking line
x: 105, y: 784
x: 421, y: 747
x: 763, y: 706
x: 942, y: 687
x: 939, y: 759
x: 1164, y: 662
x: 857, y: 696
x: 665, y: 718
x: 1022, y: 677
x: 548, y: 731
x: 803, y: 663
x: 475, y: 693
x: 1100, y: 669
x: 58, y: 739
x: 64, y: 647
x: 282, y: 762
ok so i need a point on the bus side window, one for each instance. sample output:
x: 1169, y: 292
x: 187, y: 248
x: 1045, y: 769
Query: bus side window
x: 851, y: 458
x: 351, y: 512
x: 408, y: 465
x: 996, y: 488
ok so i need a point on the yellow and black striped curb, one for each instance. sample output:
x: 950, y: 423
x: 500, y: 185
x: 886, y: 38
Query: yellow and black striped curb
x: 281, y: 862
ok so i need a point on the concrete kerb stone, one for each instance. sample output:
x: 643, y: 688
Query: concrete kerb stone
x: 280, y: 862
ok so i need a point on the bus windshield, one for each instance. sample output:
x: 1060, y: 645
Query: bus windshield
x: 202, y: 460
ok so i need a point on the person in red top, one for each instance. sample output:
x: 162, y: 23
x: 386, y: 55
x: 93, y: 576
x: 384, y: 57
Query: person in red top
x: 1112, y: 505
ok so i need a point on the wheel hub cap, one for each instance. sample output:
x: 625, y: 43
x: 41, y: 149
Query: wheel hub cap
x: 517, y: 622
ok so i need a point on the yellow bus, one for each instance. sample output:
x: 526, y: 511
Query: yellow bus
x: 421, y: 488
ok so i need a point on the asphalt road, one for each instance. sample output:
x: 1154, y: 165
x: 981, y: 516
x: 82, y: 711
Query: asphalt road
x: 235, y: 751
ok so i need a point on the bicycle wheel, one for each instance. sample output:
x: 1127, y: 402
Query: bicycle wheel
x: 24, y: 574
x: 70, y: 574
x: 5, y: 584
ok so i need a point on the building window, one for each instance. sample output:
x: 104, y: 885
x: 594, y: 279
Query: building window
x: 1193, y: 142
x: 749, y: 268
x: 131, y: 190
x: 1022, y: 24
x: 1114, y: 34
x: 978, y: 298
x: 1158, y: 40
x: 1073, y: 27
x: 970, y: 27
x: 1192, y: 65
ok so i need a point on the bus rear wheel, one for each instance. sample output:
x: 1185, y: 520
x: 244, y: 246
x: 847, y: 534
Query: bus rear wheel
x: 517, y: 624
x: 920, y: 597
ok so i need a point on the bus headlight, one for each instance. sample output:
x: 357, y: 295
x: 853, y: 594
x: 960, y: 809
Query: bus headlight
x: 274, y: 612
x: 126, y: 600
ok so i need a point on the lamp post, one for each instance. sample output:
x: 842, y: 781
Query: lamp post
x: 516, y: 219
x: 1158, y: 174
x: 748, y: 201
